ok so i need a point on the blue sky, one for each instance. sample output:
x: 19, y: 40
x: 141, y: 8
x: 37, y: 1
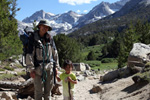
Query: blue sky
x: 28, y: 7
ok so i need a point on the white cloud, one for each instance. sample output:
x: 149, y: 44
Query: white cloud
x: 78, y: 11
x: 85, y: 11
x: 75, y: 2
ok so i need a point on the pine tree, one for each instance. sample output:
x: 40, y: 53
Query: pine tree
x: 139, y: 30
x: 129, y: 39
x: 9, y: 41
x: 145, y: 33
x: 34, y: 25
x: 68, y: 48
x: 91, y: 56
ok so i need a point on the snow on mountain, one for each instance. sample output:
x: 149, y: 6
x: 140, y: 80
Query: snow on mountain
x: 38, y: 16
x: 122, y: 2
x: 22, y: 25
x: 100, y: 11
x: 69, y: 17
x: 131, y: 5
x: 61, y: 23
x: 146, y: 2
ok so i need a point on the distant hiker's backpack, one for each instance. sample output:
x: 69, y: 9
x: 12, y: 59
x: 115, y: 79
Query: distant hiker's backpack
x: 25, y: 39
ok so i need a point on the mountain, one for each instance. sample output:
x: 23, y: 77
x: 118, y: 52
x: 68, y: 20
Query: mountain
x: 38, y: 16
x: 127, y: 9
x: 59, y: 22
x: 100, y: 11
x: 70, y: 21
x: 118, y: 5
x: 131, y: 12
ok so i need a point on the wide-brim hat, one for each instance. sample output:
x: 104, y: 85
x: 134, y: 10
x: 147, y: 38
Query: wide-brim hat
x: 46, y: 23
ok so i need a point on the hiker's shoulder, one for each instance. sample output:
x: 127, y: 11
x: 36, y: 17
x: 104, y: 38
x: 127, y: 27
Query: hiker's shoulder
x: 73, y: 74
x: 63, y: 73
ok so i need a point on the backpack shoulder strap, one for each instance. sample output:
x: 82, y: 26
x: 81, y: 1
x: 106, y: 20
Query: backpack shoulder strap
x: 36, y: 36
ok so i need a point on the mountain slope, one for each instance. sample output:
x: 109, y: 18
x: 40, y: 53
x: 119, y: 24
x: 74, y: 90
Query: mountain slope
x: 98, y: 12
x: 102, y: 10
x: 117, y: 21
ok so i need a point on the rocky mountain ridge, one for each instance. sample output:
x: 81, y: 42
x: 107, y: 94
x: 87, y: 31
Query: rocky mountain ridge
x: 61, y: 23
x: 132, y: 11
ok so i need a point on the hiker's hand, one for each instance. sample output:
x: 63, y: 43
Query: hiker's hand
x: 32, y: 74
x: 56, y: 71
x: 69, y: 79
x: 72, y: 81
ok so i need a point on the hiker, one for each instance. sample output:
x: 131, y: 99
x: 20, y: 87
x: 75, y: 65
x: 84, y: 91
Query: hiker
x: 69, y: 79
x: 40, y: 58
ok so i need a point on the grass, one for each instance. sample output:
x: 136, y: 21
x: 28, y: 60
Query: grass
x: 9, y: 76
x: 146, y: 74
x: 1, y: 69
x: 19, y: 66
x: 9, y: 68
x: 95, y: 64
x: 21, y: 73
x: 108, y: 66
x: 4, y: 76
x: 97, y: 50
x: 102, y: 66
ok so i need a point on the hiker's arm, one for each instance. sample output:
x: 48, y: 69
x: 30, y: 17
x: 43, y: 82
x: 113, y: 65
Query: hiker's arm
x: 58, y: 79
x: 55, y: 54
x: 72, y: 81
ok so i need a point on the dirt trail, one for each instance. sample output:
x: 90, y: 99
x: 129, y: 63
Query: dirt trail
x: 122, y: 89
x: 82, y: 90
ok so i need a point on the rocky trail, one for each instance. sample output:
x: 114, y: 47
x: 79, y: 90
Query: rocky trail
x: 119, y: 89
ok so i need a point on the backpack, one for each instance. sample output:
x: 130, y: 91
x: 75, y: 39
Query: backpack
x: 28, y: 31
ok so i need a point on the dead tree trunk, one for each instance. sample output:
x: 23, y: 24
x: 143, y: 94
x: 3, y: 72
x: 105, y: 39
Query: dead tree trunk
x: 24, y: 89
x: 9, y: 85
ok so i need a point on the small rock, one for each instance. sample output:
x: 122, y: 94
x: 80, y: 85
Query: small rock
x: 96, y: 88
x: 7, y: 96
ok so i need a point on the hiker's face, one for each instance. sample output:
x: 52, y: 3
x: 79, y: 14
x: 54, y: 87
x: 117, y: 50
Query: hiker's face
x: 43, y: 29
x: 68, y: 69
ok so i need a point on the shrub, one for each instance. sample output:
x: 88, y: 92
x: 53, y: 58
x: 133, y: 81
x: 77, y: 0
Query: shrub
x: 91, y: 56
x: 2, y: 69
x: 107, y: 60
x: 8, y: 68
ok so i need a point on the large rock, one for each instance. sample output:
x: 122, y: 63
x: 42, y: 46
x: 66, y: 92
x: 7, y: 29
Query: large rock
x: 79, y: 66
x: 124, y: 72
x: 110, y: 76
x: 80, y: 78
x: 115, y: 74
x: 87, y: 67
x: 139, y: 55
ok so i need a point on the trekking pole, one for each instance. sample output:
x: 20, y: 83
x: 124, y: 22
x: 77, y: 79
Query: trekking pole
x: 24, y: 61
x: 54, y: 70
x: 69, y: 88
